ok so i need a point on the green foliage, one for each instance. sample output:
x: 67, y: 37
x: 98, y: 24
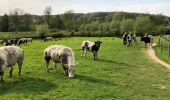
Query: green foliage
x: 42, y: 30
x: 143, y: 24
x: 68, y: 19
x: 158, y: 30
x: 56, y: 22
x: 90, y: 24
x: 25, y: 23
x: 4, y: 23
x: 127, y: 25
x: 115, y: 28
x: 119, y: 16
x: 47, y: 14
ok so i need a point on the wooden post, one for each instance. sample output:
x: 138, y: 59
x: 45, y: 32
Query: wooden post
x: 161, y: 46
x: 168, y: 51
x: 159, y: 41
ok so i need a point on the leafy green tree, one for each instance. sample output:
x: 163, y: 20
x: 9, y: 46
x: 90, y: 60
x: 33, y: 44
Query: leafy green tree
x: 127, y: 25
x: 115, y: 27
x: 143, y: 24
x: 5, y: 23
x: 42, y: 30
x: 68, y: 19
x: 47, y: 14
x: 15, y: 18
x: 25, y: 22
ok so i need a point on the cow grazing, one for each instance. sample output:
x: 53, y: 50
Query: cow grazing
x: 22, y: 41
x: 48, y: 38
x: 9, y: 42
x: 29, y: 40
x: 9, y: 56
x: 61, y: 54
x: 90, y: 46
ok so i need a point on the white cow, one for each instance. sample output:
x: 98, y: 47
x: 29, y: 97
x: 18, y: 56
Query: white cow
x: 29, y: 40
x: 63, y: 54
x: 9, y: 56
x: 86, y: 46
x: 48, y: 38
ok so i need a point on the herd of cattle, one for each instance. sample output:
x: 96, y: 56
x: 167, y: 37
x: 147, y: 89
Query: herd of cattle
x: 12, y: 54
x: 21, y: 41
x: 15, y: 41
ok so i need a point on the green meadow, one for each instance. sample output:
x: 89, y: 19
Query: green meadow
x: 120, y: 73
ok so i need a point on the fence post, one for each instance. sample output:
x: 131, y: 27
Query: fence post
x: 168, y: 51
x: 161, y: 46
x: 159, y: 41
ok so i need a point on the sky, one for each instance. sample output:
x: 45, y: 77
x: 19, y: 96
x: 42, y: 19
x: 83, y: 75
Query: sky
x: 37, y: 7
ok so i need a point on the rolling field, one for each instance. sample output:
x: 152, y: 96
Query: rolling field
x: 120, y: 73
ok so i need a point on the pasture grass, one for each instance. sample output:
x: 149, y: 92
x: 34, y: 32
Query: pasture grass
x: 163, y: 54
x: 120, y: 73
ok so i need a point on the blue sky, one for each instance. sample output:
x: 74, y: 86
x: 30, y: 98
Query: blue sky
x: 85, y: 6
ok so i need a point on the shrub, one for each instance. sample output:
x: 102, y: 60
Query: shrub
x: 42, y: 30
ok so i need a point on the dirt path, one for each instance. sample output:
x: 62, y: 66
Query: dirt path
x: 151, y: 54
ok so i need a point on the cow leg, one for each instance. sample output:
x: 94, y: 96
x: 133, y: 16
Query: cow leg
x: 94, y: 55
x: 145, y: 45
x: 65, y: 70
x: 55, y: 67
x: 85, y: 52
x: 82, y: 53
x: 47, y: 63
x: 10, y: 72
x: 2, y: 74
x: 19, y: 67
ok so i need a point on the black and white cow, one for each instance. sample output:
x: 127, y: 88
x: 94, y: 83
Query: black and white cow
x: 90, y: 46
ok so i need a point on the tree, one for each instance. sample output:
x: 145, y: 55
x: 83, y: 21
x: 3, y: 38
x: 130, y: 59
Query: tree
x: 143, y: 24
x: 25, y: 22
x: 127, y: 25
x: 47, y: 14
x: 5, y: 23
x: 15, y: 18
x: 115, y: 27
x: 56, y: 22
x: 42, y: 30
x: 68, y: 19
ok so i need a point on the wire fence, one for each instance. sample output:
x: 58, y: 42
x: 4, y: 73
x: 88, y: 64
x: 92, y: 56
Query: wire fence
x: 164, y: 45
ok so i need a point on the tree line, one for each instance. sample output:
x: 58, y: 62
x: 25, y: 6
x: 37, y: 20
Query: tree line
x: 90, y: 24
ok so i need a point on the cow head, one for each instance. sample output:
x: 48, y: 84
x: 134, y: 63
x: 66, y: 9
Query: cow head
x: 71, y: 69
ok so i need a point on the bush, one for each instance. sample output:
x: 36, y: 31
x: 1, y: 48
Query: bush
x: 42, y: 30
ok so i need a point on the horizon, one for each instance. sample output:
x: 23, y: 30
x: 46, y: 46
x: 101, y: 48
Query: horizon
x: 89, y: 6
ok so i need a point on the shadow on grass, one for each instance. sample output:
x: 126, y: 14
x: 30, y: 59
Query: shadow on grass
x: 26, y: 85
x: 95, y: 80
x: 115, y: 62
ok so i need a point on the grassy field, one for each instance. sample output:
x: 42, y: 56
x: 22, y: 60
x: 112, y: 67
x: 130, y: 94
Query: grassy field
x: 164, y: 53
x: 120, y: 73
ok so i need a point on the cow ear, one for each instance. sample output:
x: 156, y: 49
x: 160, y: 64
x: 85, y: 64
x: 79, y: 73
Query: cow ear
x: 95, y: 42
